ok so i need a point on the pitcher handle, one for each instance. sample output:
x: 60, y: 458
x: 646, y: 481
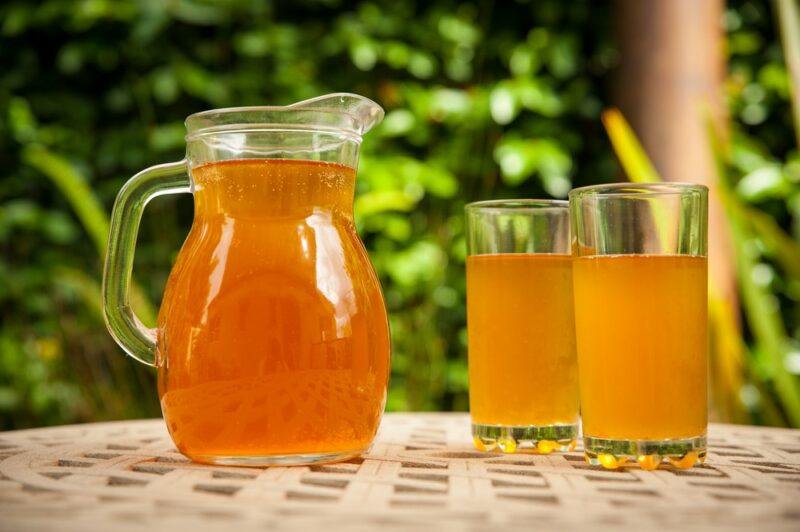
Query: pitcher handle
x: 125, y: 327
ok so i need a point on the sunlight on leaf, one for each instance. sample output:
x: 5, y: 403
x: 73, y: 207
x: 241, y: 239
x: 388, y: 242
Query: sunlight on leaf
x: 630, y: 152
x: 72, y: 185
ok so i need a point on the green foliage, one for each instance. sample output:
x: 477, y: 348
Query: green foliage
x: 759, y: 167
x: 74, y: 189
x: 483, y: 100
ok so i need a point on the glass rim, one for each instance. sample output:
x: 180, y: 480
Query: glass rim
x: 516, y: 205
x: 638, y: 190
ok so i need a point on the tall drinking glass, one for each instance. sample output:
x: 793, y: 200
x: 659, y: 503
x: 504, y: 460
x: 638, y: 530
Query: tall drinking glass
x: 640, y: 281
x: 522, y: 367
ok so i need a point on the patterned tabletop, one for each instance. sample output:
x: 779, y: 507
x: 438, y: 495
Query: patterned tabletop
x: 421, y: 471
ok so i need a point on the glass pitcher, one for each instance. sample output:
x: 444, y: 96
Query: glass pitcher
x: 272, y: 342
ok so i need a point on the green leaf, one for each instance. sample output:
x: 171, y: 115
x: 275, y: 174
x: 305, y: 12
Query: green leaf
x: 519, y: 159
x: 503, y: 104
x: 418, y: 265
x: 85, y: 286
x: 629, y: 151
x: 378, y: 201
x: 764, y: 183
x: 397, y: 123
x: 20, y: 118
x: 74, y: 188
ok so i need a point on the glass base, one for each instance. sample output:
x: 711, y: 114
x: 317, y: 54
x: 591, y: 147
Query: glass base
x: 542, y: 439
x: 278, y: 459
x: 648, y: 454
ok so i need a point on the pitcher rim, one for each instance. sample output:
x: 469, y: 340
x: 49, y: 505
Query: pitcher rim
x: 322, y: 118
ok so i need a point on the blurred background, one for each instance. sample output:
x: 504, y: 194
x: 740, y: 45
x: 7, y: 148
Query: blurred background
x: 483, y: 100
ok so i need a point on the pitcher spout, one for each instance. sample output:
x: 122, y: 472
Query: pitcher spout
x: 363, y: 112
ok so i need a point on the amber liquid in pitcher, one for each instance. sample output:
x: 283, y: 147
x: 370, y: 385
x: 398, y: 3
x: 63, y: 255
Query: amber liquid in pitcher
x: 273, y: 338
